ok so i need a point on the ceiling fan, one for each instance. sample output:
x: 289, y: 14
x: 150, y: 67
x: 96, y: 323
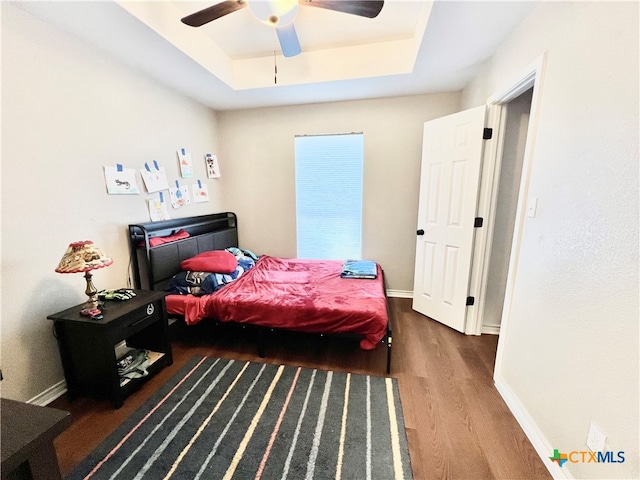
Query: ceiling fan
x: 280, y: 14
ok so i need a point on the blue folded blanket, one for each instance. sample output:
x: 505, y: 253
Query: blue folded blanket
x: 359, y: 269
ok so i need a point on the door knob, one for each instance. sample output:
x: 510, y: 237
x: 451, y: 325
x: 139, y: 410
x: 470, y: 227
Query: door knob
x: 420, y: 232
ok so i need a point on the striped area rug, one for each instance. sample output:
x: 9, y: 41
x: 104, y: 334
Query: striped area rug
x: 224, y: 419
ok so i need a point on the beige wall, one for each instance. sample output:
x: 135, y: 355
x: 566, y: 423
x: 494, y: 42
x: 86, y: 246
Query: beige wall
x: 258, y: 149
x: 571, y: 343
x: 67, y: 110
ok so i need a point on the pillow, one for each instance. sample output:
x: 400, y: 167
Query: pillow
x: 216, y: 261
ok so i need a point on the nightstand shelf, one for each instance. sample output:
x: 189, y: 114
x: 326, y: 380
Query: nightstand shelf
x: 153, y: 358
x: 87, y: 347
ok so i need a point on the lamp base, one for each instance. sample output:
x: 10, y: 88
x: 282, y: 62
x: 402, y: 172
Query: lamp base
x: 91, y: 292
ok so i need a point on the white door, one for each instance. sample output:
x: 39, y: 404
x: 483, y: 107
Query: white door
x: 449, y: 186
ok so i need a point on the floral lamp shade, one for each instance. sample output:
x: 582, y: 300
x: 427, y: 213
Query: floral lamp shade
x: 84, y: 256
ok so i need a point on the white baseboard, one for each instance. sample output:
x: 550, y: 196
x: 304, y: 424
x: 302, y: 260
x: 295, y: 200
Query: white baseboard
x: 490, y: 330
x: 50, y: 394
x: 531, y: 430
x: 400, y: 293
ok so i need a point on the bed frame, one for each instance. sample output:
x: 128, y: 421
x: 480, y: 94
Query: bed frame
x: 154, y: 266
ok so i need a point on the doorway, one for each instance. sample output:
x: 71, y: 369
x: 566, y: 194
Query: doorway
x: 502, y: 202
x: 523, y: 96
x: 517, y: 113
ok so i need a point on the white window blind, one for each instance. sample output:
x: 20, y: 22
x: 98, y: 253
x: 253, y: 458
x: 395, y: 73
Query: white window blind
x: 329, y: 196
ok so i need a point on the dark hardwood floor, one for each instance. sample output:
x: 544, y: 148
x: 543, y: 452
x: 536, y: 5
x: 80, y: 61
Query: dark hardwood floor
x: 457, y: 424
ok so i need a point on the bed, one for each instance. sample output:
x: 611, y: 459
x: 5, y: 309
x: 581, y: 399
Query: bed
x: 299, y: 295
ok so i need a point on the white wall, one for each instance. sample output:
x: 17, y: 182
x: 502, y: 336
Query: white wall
x: 258, y: 148
x: 67, y: 110
x: 570, y: 347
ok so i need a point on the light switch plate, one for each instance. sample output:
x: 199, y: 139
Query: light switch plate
x: 596, y: 438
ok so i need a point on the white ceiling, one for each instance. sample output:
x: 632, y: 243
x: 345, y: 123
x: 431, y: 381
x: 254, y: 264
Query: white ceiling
x: 412, y: 47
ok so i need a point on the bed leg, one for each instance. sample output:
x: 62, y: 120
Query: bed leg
x: 389, y: 335
x: 262, y: 333
x: 389, y: 342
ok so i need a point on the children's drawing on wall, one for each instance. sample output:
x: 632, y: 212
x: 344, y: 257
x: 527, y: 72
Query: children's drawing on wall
x: 200, y: 192
x: 186, y: 165
x: 179, y: 196
x: 120, y: 180
x: 155, y: 177
x: 213, y: 170
x: 158, y: 208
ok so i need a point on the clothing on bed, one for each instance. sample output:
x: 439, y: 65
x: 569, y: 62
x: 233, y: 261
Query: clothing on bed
x: 359, y: 269
x: 294, y: 294
x: 242, y: 252
x: 179, y: 235
x: 200, y: 283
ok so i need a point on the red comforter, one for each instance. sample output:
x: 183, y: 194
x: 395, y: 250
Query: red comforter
x: 294, y: 294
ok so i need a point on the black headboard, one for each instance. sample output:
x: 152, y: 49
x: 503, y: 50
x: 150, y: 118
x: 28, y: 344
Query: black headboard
x: 153, y: 267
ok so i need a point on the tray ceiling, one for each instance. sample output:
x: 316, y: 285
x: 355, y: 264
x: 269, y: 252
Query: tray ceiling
x: 412, y: 47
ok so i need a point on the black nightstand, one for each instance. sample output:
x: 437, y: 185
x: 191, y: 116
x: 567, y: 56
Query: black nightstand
x: 87, y: 347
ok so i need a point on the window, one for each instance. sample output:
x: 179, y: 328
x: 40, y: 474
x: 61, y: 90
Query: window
x: 329, y: 196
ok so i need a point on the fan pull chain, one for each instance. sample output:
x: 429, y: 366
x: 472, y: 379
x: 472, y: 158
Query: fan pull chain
x: 275, y: 64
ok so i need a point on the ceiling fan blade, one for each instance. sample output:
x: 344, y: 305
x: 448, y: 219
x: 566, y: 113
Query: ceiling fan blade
x: 288, y: 40
x: 362, y: 8
x: 209, y: 14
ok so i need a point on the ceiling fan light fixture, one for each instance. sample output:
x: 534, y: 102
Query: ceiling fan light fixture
x: 275, y: 13
x: 279, y: 14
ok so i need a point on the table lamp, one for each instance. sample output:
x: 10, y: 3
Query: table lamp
x: 83, y: 257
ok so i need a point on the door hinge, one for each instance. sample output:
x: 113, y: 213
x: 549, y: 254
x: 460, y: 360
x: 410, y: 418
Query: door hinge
x: 487, y: 133
x: 470, y: 301
x: 477, y: 223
